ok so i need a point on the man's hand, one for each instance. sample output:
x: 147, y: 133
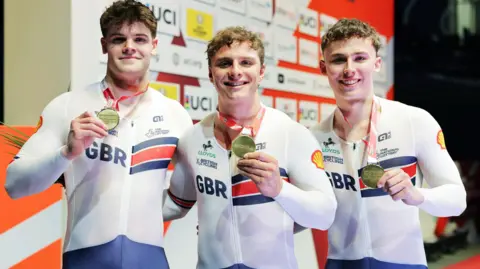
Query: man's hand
x: 398, y: 184
x: 262, y: 169
x: 83, y: 130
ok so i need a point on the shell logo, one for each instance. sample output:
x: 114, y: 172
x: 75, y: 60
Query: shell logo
x: 441, y: 139
x: 317, y: 159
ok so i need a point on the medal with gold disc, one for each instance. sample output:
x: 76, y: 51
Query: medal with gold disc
x: 371, y: 174
x: 242, y: 145
x: 110, y: 118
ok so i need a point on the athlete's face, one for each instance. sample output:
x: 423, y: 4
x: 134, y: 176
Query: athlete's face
x: 350, y: 65
x: 236, y: 72
x: 129, y: 49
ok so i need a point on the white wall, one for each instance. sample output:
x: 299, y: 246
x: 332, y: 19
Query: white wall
x: 37, y: 57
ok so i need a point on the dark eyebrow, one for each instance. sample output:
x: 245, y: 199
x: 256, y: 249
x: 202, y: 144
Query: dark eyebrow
x: 354, y: 54
x: 230, y: 59
x: 122, y: 35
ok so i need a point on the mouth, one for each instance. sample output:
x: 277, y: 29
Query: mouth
x: 128, y: 57
x: 235, y: 83
x: 349, y: 82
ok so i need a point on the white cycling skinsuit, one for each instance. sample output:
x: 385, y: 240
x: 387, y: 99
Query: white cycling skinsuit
x: 239, y: 228
x: 370, y: 229
x: 115, y: 188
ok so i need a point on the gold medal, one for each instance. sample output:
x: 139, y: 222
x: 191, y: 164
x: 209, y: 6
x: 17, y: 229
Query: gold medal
x: 371, y: 174
x: 110, y: 117
x: 242, y: 145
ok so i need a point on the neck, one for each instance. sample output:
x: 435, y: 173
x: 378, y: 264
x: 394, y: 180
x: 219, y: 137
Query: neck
x: 357, y: 115
x: 126, y: 87
x: 243, y: 112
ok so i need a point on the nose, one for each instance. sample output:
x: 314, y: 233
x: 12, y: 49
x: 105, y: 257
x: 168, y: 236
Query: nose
x: 128, y: 48
x: 235, y: 72
x: 348, y: 70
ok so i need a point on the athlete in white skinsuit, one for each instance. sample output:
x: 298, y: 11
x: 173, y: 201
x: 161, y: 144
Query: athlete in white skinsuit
x: 114, y: 181
x: 379, y: 227
x: 247, y: 206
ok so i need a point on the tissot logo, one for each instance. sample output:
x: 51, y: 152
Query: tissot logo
x: 163, y: 14
x: 198, y: 103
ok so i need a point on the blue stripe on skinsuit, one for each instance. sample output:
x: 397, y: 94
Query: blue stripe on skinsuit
x: 120, y: 253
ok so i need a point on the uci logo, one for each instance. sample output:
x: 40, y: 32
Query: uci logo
x: 164, y: 14
x: 198, y: 103
x: 308, y: 21
x: 308, y: 114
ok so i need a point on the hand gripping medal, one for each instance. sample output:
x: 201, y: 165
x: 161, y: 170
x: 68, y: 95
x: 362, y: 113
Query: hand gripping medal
x: 371, y: 174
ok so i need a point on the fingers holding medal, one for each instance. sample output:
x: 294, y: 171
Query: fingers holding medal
x: 263, y: 170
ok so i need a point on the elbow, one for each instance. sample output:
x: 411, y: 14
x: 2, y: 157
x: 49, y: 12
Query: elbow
x: 461, y: 205
x: 328, y: 215
x: 12, y: 191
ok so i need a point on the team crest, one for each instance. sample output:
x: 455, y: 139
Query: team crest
x: 441, y: 139
x: 317, y: 159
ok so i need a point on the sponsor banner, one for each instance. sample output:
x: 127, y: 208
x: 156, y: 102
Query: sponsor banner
x: 308, y: 53
x: 199, y: 102
x: 308, y: 21
x: 199, y: 25
x: 308, y: 113
x: 285, y: 45
x: 169, y: 90
x: 260, y: 9
x: 167, y: 14
x: 179, y: 60
x: 285, y: 14
x: 238, y: 6
x: 287, y: 106
x: 266, y: 100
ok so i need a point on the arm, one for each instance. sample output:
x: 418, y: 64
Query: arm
x: 181, y: 193
x: 446, y: 195
x: 309, y: 198
x: 40, y: 162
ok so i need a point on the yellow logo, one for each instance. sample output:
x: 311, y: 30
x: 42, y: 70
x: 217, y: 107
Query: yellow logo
x: 199, y: 25
x: 169, y: 90
x: 441, y: 139
x: 317, y: 159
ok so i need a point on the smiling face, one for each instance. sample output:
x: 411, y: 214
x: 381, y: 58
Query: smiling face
x: 350, y: 65
x: 129, y: 49
x: 236, y: 72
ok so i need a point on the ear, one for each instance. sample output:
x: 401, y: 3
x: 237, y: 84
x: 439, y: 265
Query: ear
x: 378, y: 64
x: 262, y: 72
x: 103, y: 42
x: 210, y: 76
x: 323, y: 67
x: 154, y: 44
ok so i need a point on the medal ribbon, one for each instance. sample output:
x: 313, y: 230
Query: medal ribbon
x: 372, y: 136
x: 250, y: 130
x: 111, y: 102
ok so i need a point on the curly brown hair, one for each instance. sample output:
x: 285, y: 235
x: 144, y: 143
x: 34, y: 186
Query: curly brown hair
x: 230, y: 35
x: 127, y: 11
x: 351, y: 28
